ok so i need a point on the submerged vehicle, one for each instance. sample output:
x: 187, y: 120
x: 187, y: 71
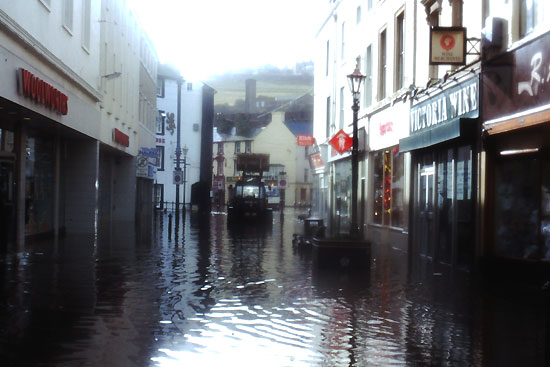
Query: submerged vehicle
x: 248, y: 198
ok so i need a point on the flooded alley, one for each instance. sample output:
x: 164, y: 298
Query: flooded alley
x: 202, y: 294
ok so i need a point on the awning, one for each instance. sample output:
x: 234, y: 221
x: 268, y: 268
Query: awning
x: 450, y: 130
x: 532, y: 117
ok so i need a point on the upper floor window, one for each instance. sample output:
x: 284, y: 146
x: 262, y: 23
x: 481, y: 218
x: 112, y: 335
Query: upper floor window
x: 68, y: 15
x: 382, y: 65
x: 342, y: 54
x: 341, y: 122
x: 368, y: 77
x: 247, y: 146
x: 220, y: 148
x: 86, y: 9
x: 189, y: 86
x: 530, y: 13
x: 328, y: 117
x: 399, y: 51
x: 160, y: 87
x: 160, y: 158
x: 328, y: 57
x: 161, y: 119
x: 358, y: 15
x: 220, y: 168
x: 237, y: 147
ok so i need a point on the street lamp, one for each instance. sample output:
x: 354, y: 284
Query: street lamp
x: 185, y: 150
x: 355, y: 79
x: 178, y: 147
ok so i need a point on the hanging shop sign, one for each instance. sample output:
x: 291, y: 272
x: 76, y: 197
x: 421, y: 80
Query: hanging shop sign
x: 516, y: 85
x: 146, y: 163
x: 316, y: 161
x: 448, y: 46
x: 41, y: 92
x: 121, y: 138
x: 342, y: 142
x: 305, y: 140
x: 456, y: 102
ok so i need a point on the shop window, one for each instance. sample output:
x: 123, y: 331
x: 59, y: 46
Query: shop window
x: 388, y: 181
x: 342, y: 196
x: 39, y: 185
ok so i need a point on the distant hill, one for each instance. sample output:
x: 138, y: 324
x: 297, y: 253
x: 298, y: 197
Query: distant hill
x: 282, y: 84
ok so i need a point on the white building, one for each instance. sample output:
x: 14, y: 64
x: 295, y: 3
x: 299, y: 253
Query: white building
x: 389, y: 41
x: 166, y: 136
x: 69, y: 131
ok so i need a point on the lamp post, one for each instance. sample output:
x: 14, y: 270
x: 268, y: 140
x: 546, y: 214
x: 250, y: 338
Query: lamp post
x: 185, y: 150
x: 178, y: 146
x: 355, y: 79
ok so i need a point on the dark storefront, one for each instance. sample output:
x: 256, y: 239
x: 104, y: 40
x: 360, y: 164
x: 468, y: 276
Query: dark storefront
x: 516, y: 98
x: 442, y: 142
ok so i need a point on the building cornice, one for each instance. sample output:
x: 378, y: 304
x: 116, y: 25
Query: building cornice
x: 42, y: 52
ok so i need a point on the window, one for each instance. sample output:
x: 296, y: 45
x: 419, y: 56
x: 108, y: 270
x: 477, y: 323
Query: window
x: 343, y: 42
x: 341, y: 122
x: 189, y: 86
x: 328, y: 57
x: 161, y: 120
x: 400, y: 51
x: 382, y: 66
x: 159, y: 195
x: 247, y: 146
x: 237, y: 147
x: 358, y: 16
x: 68, y: 15
x: 160, y: 158
x: 220, y: 148
x: 86, y: 8
x: 306, y: 174
x: 388, y: 176
x: 328, y: 117
x: 160, y: 87
x: 368, y: 77
x: 303, y: 194
x: 531, y: 15
x: 235, y: 171
x: 220, y: 168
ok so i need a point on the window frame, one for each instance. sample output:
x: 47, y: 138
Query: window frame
x: 382, y: 62
x: 160, y: 157
x: 399, y: 80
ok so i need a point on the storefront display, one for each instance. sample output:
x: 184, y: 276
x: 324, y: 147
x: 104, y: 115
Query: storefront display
x: 39, y: 185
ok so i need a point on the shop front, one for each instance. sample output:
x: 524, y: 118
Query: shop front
x: 516, y: 114
x: 387, y: 210
x: 442, y: 142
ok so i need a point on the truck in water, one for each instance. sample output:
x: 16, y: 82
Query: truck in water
x: 249, y: 199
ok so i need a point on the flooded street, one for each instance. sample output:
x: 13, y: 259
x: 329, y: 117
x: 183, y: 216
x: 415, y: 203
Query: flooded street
x: 204, y: 295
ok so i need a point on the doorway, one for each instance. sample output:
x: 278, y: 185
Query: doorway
x: 7, y: 201
x: 425, y: 209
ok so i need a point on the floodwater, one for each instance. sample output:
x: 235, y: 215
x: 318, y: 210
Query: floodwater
x: 199, y: 294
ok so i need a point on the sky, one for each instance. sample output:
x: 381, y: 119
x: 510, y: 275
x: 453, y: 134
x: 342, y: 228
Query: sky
x: 210, y: 37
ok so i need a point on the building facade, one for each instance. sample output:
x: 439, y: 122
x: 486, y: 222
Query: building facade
x: 516, y: 120
x: 69, y: 129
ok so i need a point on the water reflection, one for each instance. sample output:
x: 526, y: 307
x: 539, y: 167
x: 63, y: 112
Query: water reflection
x: 200, y: 293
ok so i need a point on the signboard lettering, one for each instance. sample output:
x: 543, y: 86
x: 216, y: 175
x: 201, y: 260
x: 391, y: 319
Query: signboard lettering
x: 305, y: 140
x: 448, y: 46
x: 42, y: 92
x: 456, y: 102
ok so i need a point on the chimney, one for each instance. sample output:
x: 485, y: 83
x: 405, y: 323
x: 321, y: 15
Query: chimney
x: 250, y: 96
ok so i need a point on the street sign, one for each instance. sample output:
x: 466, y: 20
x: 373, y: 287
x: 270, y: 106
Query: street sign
x: 305, y: 140
x: 178, y: 177
x: 341, y: 141
x: 448, y: 46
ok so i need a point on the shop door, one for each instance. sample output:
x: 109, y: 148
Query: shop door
x: 7, y: 202
x: 426, y: 210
